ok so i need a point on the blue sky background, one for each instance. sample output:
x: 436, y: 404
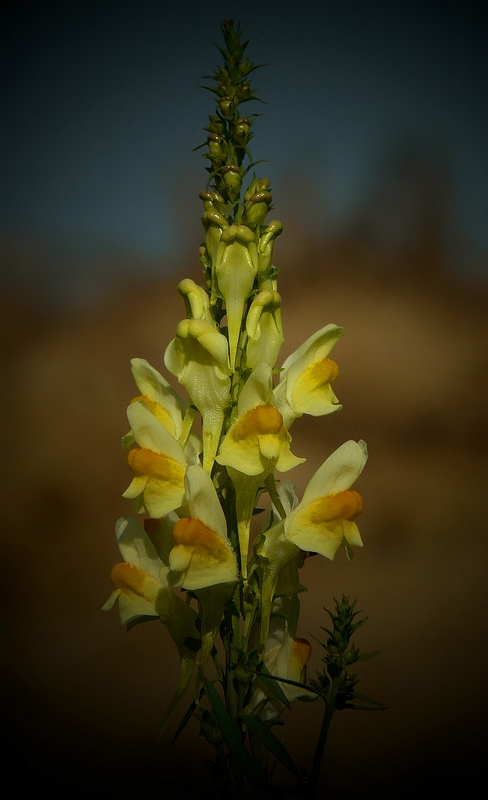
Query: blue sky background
x: 104, y: 107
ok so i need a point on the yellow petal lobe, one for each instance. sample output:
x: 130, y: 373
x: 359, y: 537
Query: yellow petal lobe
x: 193, y: 533
x: 129, y: 579
x: 144, y: 462
x: 316, y: 376
x: 300, y: 652
x: 158, y: 411
x: 344, y: 505
x: 259, y: 421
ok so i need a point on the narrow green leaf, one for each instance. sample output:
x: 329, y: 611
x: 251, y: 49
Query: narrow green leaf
x: 306, y: 686
x: 184, y: 721
x: 259, y: 729
x: 366, y: 656
x: 366, y: 699
x: 271, y: 683
x: 233, y: 739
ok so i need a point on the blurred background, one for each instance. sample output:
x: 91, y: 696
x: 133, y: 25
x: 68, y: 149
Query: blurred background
x: 376, y: 137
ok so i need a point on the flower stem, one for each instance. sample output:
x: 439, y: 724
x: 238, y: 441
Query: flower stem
x: 324, y: 730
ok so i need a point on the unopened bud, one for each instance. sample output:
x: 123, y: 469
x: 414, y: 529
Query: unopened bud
x: 217, y: 148
x: 231, y: 175
x: 215, y: 125
x: 242, y: 130
x: 227, y: 107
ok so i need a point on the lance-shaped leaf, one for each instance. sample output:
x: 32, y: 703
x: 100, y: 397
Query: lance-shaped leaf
x: 199, y: 358
x: 202, y: 552
x: 324, y: 519
x: 236, y: 268
x: 158, y: 463
x: 233, y: 739
x: 264, y: 329
x: 305, y: 381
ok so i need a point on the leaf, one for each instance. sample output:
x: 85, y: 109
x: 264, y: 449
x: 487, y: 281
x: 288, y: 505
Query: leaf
x: 257, y: 727
x: 184, y: 721
x: 233, y: 739
x: 306, y: 686
x: 271, y: 683
x: 366, y: 699
x: 366, y: 656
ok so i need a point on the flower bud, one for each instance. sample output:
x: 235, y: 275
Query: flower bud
x: 196, y: 300
x: 242, y: 129
x: 217, y: 148
x: 265, y: 248
x: 214, y: 223
x: 215, y: 125
x: 213, y: 201
x: 227, y: 107
x: 232, y: 177
x: 257, y: 208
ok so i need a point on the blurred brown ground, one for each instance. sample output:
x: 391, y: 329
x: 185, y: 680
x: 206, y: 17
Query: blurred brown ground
x: 84, y: 699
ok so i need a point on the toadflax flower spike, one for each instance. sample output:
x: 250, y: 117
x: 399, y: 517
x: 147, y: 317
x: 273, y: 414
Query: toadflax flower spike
x: 158, y: 463
x: 304, y: 385
x: 324, y: 519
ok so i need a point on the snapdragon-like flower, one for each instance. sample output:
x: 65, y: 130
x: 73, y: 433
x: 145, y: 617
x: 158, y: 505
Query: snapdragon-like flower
x: 284, y: 656
x: 264, y: 329
x: 142, y: 592
x: 236, y: 268
x: 258, y: 440
x: 159, y: 397
x: 199, y: 357
x: 202, y: 551
x: 324, y: 519
x: 305, y: 381
x: 158, y: 464
x: 254, y: 445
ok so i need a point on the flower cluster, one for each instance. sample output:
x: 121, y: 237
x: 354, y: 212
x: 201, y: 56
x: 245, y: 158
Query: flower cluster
x: 200, y: 467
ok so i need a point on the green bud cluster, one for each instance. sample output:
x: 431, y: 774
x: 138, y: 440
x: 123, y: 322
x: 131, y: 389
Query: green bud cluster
x: 340, y: 654
x: 229, y: 133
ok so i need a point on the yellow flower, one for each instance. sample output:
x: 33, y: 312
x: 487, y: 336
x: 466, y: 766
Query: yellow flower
x: 199, y: 358
x: 264, y: 329
x: 305, y: 382
x: 158, y: 396
x: 324, y: 519
x: 236, y: 267
x: 202, y: 551
x: 140, y: 583
x: 258, y: 441
x: 141, y: 590
x: 284, y: 656
x: 158, y: 463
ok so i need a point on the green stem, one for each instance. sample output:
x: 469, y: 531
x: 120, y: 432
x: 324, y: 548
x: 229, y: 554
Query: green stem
x: 324, y: 730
